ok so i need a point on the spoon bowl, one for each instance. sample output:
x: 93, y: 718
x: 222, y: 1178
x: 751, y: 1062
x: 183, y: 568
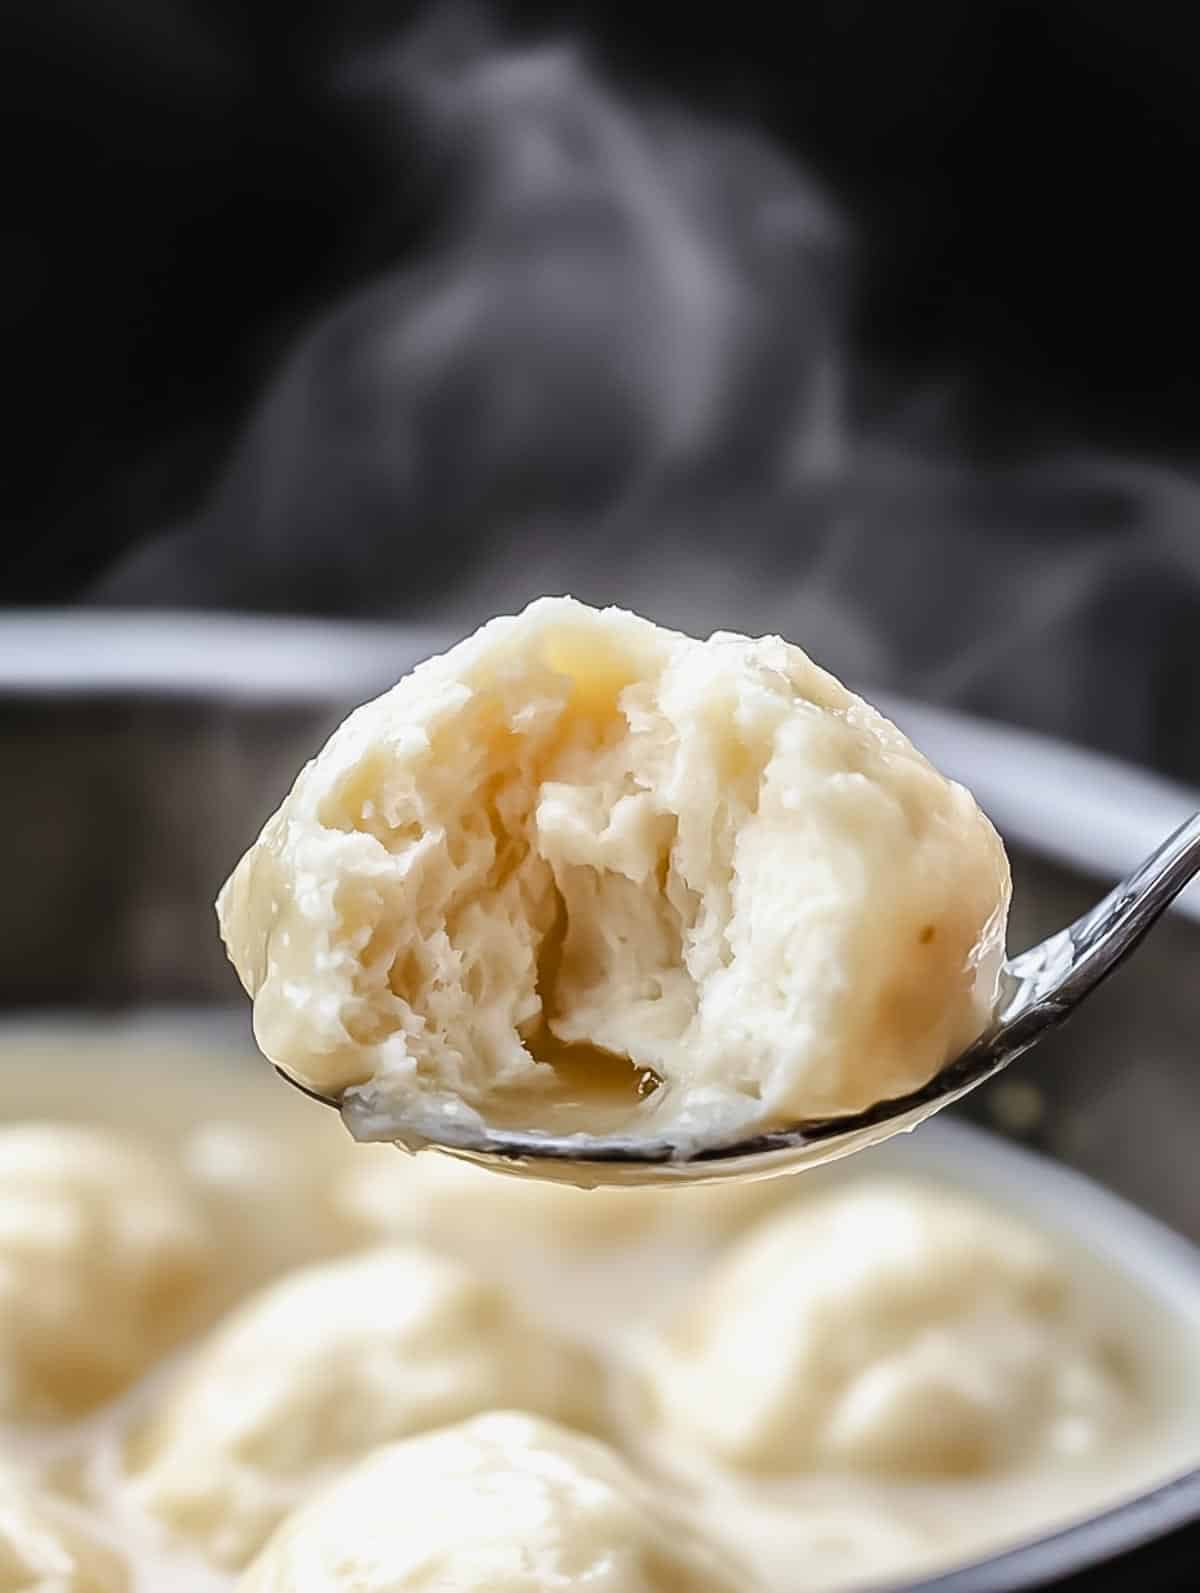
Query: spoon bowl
x: 1039, y: 989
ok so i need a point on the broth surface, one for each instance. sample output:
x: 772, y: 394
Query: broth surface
x: 265, y: 1165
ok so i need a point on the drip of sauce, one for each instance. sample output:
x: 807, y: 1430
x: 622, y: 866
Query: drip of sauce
x: 589, y: 1090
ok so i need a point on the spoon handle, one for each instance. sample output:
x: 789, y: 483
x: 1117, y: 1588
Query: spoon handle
x: 1066, y: 967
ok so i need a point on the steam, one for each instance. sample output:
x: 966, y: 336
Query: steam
x: 628, y: 312
x: 620, y: 369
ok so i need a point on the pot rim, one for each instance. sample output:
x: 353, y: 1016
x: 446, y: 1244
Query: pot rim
x: 1082, y: 808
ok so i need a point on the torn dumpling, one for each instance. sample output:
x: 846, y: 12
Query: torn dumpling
x: 584, y: 864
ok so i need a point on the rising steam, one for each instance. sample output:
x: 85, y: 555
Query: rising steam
x: 620, y: 368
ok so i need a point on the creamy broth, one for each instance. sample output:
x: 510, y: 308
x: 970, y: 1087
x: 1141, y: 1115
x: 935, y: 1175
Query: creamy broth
x: 267, y: 1167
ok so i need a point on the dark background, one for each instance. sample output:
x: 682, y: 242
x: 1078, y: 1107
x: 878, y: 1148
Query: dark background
x: 196, y: 187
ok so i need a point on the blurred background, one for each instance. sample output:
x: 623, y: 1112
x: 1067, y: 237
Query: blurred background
x: 871, y: 324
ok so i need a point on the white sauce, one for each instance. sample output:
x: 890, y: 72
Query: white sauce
x: 265, y: 1162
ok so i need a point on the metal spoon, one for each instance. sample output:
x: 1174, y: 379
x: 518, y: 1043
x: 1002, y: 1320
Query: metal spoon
x: 1039, y: 990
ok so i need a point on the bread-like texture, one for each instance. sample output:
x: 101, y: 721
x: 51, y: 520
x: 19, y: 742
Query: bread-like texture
x: 892, y: 1327
x: 501, y: 1504
x: 50, y: 1546
x: 325, y: 1364
x: 707, y: 857
x: 106, y: 1259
